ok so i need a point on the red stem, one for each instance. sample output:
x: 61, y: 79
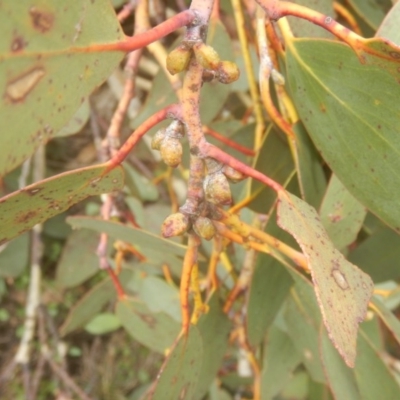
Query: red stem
x: 228, y: 142
x: 143, y: 39
x: 117, y: 284
x: 277, y: 9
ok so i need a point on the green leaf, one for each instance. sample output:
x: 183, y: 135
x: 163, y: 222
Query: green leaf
x: 274, y: 160
x: 14, y: 257
x: 88, y: 306
x: 310, y: 174
x: 156, y: 331
x: 139, y: 185
x: 371, y: 11
x: 341, y: 378
x: 341, y: 214
x: 48, y: 65
x: 179, y: 374
x: 77, y: 122
x: 342, y: 289
x: 350, y: 111
x: 379, y: 255
x: 303, y: 28
x: 78, y: 261
x: 214, y: 328
x: 374, y: 378
x: 154, y: 247
x: 36, y: 203
x: 302, y: 325
x: 102, y: 324
x: 389, y: 28
x: 269, y: 287
x: 387, y: 317
x: 160, y: 296
x: 280, y: 360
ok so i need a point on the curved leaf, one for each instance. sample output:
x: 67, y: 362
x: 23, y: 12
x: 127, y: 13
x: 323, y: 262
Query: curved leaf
x: 36, y: 203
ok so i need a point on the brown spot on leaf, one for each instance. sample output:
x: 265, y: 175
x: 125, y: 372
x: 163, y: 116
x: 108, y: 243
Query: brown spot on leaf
x: 19, y: 87
x: 41, y: 21
x: 148, y: 320
x: 17, y: 44
x: 25, y: 217
x: 394, y: 54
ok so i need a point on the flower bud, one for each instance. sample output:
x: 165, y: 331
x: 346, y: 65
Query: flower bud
x: 217, y: 190
x: 171, y: 151
x: 206, y: 56
x: 228, y: 72
x: 204, y: 228
x: 232, y: 174
x: 175, y: 129
x: 157, y: 139
x: 178, y: 59
x: 175, y: 225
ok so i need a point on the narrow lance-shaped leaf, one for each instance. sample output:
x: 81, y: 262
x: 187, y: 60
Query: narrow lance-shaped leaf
x: 48, y: 65
x: 342, y: 289
x: 36, y: 203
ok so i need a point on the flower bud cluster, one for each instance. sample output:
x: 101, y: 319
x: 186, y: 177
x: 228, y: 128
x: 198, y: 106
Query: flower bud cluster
x: 177, y: 224
x: 167, y: 141
x: 179, y: 58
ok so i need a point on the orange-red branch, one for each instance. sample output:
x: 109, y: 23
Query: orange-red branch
x: 126, y: 148
x: 276, y: 9
x: 165, y: 28
x: 116, y: 282
x: 245, y: 150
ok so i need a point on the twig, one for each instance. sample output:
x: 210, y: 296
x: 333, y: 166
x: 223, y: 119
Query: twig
x: 240, y: 25
x: 22, y: 356
x: 68, y: 381
x: 188, y: 263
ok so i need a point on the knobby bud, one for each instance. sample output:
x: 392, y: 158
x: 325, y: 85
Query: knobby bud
x: 206, y: 56
x: 217, y: 190
x: 178, y: 59
x: 204, y: 228
x: 228, y: 72
x: 157, y: 139
x: 171, y: 151
x: 232, y: 174
x: 175, y: 225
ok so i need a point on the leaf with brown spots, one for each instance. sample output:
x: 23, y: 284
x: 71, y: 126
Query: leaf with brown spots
x: 180, y: 372
x: 358, y: 131
x: 36, y: 203
x: 49, y: 63
x: 342, y: 289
